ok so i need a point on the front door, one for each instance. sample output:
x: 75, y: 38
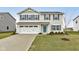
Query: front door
x: 44, y: 28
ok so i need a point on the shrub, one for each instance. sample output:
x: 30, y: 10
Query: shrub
x: 13, y: 33
x: 39, y: 33
x: 51, y: 33
x: 61, y: 32
x: 65, y: 39
x: 56, y: 33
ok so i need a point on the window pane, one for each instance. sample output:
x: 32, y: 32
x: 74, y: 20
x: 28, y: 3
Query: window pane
x: 56, y: 16
x: 30, y: 26
x: 29, y: 17
x: 46, y: 17
x: 33, y: 17
x: 53, y: 27
x: 21, y: 26
x: 22, y: 17
x: 56, y: 27
x: 26, y: 26
x: 35, y: 26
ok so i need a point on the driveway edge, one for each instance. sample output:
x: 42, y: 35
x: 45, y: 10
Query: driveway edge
x: 31, y: 43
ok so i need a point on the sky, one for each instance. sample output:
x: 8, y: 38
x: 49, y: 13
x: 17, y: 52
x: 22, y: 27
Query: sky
x: 69, y: 12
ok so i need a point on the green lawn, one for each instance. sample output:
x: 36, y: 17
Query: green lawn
x: 5, y: 34
x: 54, y: 43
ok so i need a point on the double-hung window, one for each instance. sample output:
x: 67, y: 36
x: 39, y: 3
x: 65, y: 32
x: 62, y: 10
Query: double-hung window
x: 56, y: 27
x: 29, y: 17
x: 46, y: 16
x: 55, y: 16
x: 22, y: 17
x: 36, y: 17
x: 33, y: 17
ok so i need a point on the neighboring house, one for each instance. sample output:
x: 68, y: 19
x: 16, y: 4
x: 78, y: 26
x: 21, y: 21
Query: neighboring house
x: 34, y: 22
x: 7, y: 22
x: 76, y: 24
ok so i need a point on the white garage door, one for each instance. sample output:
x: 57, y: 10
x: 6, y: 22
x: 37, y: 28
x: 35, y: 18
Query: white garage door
x: 29, y: 29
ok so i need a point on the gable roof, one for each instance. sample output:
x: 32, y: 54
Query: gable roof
x: 8, y: 14
x: 75, y: 18
x: 28, y: 10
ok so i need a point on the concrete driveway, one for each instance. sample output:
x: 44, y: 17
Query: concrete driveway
x: 19, y: 42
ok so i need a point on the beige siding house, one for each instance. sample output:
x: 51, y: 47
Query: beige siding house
x: 34, y: 22
x: 7, y: 22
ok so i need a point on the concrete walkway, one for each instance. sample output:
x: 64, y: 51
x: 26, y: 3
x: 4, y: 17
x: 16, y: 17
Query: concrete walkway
x: 21, y: 42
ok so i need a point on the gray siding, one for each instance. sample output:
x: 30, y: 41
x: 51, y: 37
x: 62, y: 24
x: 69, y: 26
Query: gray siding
x: 6, y: 20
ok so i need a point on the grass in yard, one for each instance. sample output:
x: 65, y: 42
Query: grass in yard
x: 5, y: 34
x: 55, y: 43
x: 72, y: 32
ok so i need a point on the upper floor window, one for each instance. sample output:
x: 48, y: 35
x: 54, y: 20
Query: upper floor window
x: 22, y: 17
x: 33, y: 17
x: 46, y: 16
x: 56, y: 17
x: 29, y: 17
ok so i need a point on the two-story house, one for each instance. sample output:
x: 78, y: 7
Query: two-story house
x: 34, y: 22
x: 76, y: 24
